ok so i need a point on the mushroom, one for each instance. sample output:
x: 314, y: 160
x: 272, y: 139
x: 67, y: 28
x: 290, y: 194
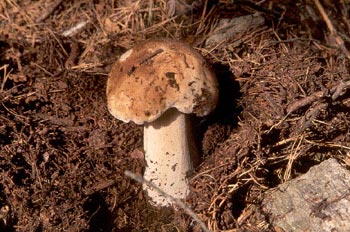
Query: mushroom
x: 158, y: 84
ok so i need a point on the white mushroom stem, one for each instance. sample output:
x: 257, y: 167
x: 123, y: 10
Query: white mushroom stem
x: 169, y: 154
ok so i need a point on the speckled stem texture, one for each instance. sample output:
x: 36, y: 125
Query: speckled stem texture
x: 168, y: 153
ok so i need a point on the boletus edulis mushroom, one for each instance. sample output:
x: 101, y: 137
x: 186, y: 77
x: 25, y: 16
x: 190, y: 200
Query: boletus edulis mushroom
x: 157, y: 84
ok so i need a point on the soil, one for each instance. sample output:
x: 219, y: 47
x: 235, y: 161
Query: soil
x: 284, y: 107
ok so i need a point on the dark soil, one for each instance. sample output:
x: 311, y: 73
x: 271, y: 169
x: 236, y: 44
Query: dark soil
x: 284, y: 107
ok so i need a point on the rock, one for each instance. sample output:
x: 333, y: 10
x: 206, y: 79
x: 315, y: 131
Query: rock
x: 228, y: 28
x: 316, y: 201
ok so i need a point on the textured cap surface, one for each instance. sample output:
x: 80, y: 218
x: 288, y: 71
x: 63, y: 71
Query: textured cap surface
x: 157, y: 75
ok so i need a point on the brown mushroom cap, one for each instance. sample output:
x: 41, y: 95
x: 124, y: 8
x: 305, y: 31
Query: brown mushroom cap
x: 156, y: 76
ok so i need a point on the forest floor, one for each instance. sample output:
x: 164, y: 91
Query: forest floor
x: 284, y: 106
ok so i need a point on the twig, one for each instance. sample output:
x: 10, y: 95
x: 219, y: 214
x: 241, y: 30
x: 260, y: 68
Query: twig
x: 310, y: 116
x: 339, y: 41
x: 48, y: 11
x: 182, y: 205
x: 335, y: 92
x: 101, y: 186
x: 296, y: 105
x: 75, y: 29
x: 5, y: 76
x: 339, y: 89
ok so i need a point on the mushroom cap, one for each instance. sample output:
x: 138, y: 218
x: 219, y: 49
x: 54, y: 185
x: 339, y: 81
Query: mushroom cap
x: 158, y: 75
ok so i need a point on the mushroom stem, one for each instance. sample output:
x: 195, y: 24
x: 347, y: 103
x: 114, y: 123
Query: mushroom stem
x: 169, y: 153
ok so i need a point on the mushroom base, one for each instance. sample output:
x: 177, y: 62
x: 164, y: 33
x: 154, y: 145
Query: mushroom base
x: 169, y: 154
